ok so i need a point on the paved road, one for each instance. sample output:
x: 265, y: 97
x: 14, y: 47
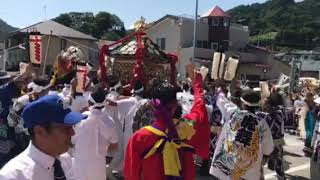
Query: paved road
x: 298, y: 166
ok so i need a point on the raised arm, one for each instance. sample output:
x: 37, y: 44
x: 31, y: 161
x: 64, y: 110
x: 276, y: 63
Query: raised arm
x: 226, y: 107
x: 199, y: 115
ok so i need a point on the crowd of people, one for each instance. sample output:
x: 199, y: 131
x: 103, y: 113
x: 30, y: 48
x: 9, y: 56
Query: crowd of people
x: 50, y: 130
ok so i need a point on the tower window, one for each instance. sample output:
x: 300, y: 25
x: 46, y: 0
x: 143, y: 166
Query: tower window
x: 226, y: 23
x: 215, y: 22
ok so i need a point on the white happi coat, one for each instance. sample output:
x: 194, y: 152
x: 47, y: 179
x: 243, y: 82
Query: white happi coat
x: 186, y: 100
x: 119, y: 114
x: 138, y: 102
x: 244, y: 139
x: 79, y: 103
x: 92, y: 137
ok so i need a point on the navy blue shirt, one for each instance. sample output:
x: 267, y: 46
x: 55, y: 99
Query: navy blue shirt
x: 7, y: 93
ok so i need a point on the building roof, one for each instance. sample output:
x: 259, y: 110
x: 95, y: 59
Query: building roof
x: 57, y: 29
x: 216, y: 12
x: 177, y: 18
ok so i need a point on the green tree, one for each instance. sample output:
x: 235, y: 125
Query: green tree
x: 103, y: 24
x: 111, y: 36
x: 64, y: 19
x: 297, y: 24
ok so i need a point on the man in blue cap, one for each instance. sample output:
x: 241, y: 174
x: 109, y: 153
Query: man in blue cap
x: 50, y: 125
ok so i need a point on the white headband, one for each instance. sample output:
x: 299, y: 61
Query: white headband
x: 67, y: 85
x: 116, y: 86
x: 249, y: 104
x: 35, y: 88
x: 95, y: 104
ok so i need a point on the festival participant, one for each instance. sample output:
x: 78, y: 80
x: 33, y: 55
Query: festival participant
x: 128, y: 107
x: 96, y: 137
x: 199, y: 114
x: 78, y: 100
x: 118, y: 108
x: 244, y: 141
x: 64, y: 65
x: 274, y: 114
x: 310, y: 122
x: 39, y: 87
x: 115, y: 88
x: 66, y: 91
x: 185, y: 98
x: 301, y: 108
x: 164, y: 150
x: 309, y: 118
x: 315, y: 159
x: 144, y: 115
x: 7, y: 93
x: 138, y: 101
x: 49, y: 122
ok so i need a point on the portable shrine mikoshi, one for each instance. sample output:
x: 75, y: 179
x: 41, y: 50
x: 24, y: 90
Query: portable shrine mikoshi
x: 137, y: 57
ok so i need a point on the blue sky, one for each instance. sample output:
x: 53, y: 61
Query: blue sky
x: 21, y: 13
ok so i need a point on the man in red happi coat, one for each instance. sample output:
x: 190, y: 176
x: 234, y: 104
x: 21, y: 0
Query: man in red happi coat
x: 164, y: 150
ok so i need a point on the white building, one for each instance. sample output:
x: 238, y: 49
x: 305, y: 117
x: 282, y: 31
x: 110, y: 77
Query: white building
x: 214, y: 30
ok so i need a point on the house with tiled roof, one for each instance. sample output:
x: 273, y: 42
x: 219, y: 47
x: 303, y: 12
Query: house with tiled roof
x: 61, y: 37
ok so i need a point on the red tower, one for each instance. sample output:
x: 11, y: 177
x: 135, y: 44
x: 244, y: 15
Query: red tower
x: 219, y: 24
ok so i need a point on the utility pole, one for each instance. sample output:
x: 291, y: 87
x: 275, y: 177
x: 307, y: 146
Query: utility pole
x: 195, y: 31
x: 45, y: 12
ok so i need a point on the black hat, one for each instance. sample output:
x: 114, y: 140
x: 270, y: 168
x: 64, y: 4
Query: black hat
x: 138, y: 88
x: 250, y: 98
x: 164, y: 91
x: 98, y: 94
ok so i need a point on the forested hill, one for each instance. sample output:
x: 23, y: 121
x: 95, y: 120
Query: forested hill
x: 283, y: 23
x: 5, y: 29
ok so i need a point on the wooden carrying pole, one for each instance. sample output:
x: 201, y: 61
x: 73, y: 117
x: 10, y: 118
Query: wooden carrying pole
x: 46, y: 55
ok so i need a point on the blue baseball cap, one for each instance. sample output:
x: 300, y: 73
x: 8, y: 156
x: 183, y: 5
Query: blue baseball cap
x: 49, y: 109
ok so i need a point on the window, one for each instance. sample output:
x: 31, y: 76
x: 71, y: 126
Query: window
x: 205, y: 44
x: 199, y: 44
x: 221, y: 21
x: 226, y: 23
x: 202, y: 44
x: 204, y: 20
x: 161, y: 42
x: 305, y: 57
x: 214, y: 46
x: 215, y: 22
